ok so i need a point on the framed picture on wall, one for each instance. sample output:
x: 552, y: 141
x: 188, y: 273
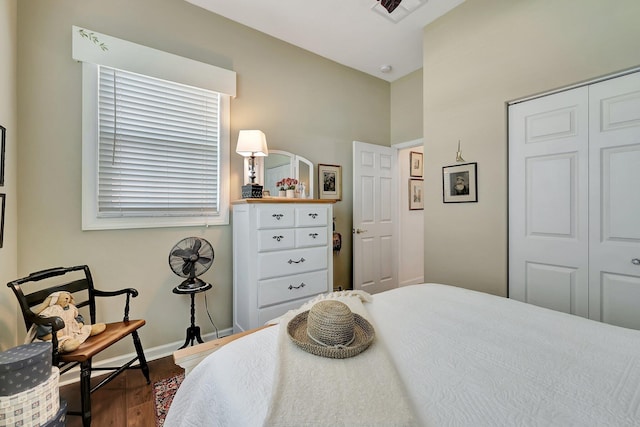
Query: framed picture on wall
x: 416, y: 194
x: 3, y: 136
x: 329, y: 182
x: 2, y: 203
x: 415, y: 164
x: 459, y: 183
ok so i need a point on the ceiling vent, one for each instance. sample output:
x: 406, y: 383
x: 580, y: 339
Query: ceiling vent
x: 403, y: 10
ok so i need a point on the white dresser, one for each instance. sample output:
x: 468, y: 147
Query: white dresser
x: 282, y: 256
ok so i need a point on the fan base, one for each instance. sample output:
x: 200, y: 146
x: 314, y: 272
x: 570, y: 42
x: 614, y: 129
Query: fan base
x: 192, y: 286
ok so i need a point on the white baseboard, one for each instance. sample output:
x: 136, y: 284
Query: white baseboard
x: 73, y: 375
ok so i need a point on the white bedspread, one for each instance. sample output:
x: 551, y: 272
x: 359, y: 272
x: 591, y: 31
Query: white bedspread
x: 466, y: 358
x: 303, y: 394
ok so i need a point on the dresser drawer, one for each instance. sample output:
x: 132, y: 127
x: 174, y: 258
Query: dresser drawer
x: 269, y: 313
x: 282, y: 289
x: 276, y: 239
x: 311, y: 216
x: 285, y: 263
x: 315, y: 236
x: 277, y: 216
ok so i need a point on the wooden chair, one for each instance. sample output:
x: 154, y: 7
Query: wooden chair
x: 84, y: 294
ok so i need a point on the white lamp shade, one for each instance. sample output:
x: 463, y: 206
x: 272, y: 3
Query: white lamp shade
x: 252, y: 143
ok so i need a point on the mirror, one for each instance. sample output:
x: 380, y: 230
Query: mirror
x: 282, y: 164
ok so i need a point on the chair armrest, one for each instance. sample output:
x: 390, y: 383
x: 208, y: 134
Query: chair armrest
x: 55, y: 322
x: 130, y: 292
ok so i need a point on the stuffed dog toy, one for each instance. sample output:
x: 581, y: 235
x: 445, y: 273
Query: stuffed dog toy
x: 75, y: 331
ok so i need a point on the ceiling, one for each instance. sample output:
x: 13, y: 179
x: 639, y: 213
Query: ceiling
x: 360, y: 34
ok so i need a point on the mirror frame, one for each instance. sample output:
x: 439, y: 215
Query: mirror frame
x: 294, y: 163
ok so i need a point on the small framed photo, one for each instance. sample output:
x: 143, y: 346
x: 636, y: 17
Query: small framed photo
x: 416, y: 194
x: 459, y: 183
x: 416, y: 164
x: 2, y: 205
x: 330, y: 182
x: 3, y: 137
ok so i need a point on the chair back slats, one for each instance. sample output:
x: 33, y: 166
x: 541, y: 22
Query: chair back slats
x: 45, y: 274
x: 37, y: 297
x: 81, y: 288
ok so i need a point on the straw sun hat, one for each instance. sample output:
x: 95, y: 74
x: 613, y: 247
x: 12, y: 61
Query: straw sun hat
x: 330, y: 329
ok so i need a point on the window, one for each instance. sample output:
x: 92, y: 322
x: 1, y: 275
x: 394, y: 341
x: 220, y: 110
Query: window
x: 155, y: 151
x: 158, y: 147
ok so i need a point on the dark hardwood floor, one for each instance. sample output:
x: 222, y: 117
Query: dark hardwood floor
x: 127, y: 401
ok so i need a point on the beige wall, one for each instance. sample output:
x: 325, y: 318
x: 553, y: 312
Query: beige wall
x: 8, y: 119
x: 477, y: 57
x: 304, y: 104
x: 406, y: 108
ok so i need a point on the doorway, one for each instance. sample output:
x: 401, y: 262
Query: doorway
x: 388, y: 242
x: 410, y: 221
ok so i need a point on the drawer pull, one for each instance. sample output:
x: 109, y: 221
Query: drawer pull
x: 313, y: 235
x: 301, y: 285
x: 277, y: 216
x: 278, y: 238
x: 313, y: 215
x: 296, y: 262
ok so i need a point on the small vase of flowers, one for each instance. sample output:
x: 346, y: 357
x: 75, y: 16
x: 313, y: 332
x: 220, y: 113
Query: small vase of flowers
x: 287, y: 187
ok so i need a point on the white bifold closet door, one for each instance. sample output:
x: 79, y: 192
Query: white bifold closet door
x: 574, y: 201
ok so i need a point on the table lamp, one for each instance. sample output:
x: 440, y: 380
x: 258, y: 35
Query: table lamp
x: 252, y: 143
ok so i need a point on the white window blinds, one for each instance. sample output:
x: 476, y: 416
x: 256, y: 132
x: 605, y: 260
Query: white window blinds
x: 159, y: 147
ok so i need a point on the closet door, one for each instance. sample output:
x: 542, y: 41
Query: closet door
x: 548, y: 190
x: 614, y: 199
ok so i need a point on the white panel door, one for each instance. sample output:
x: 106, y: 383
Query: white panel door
x: 374, y: 217
x: 614, y: 215
x: 548, y: 195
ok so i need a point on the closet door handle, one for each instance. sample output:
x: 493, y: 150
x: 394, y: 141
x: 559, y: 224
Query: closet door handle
x: 635, y: 261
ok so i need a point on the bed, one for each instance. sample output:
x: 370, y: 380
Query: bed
x: 464, y: 358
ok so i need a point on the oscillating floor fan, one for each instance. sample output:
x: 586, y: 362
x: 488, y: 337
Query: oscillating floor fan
x: 190, y: 258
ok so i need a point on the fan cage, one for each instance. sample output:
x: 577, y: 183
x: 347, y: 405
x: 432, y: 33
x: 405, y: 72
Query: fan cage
x: 177, y: 262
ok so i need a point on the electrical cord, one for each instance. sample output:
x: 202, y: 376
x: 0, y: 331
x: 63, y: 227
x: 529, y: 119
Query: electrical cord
x: 206, y: 305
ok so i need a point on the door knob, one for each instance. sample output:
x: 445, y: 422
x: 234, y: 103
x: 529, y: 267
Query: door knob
x: 635, y: 261
x: 358, y: 231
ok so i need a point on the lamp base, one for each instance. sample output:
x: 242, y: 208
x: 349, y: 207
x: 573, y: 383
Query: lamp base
x: 252, y: 191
